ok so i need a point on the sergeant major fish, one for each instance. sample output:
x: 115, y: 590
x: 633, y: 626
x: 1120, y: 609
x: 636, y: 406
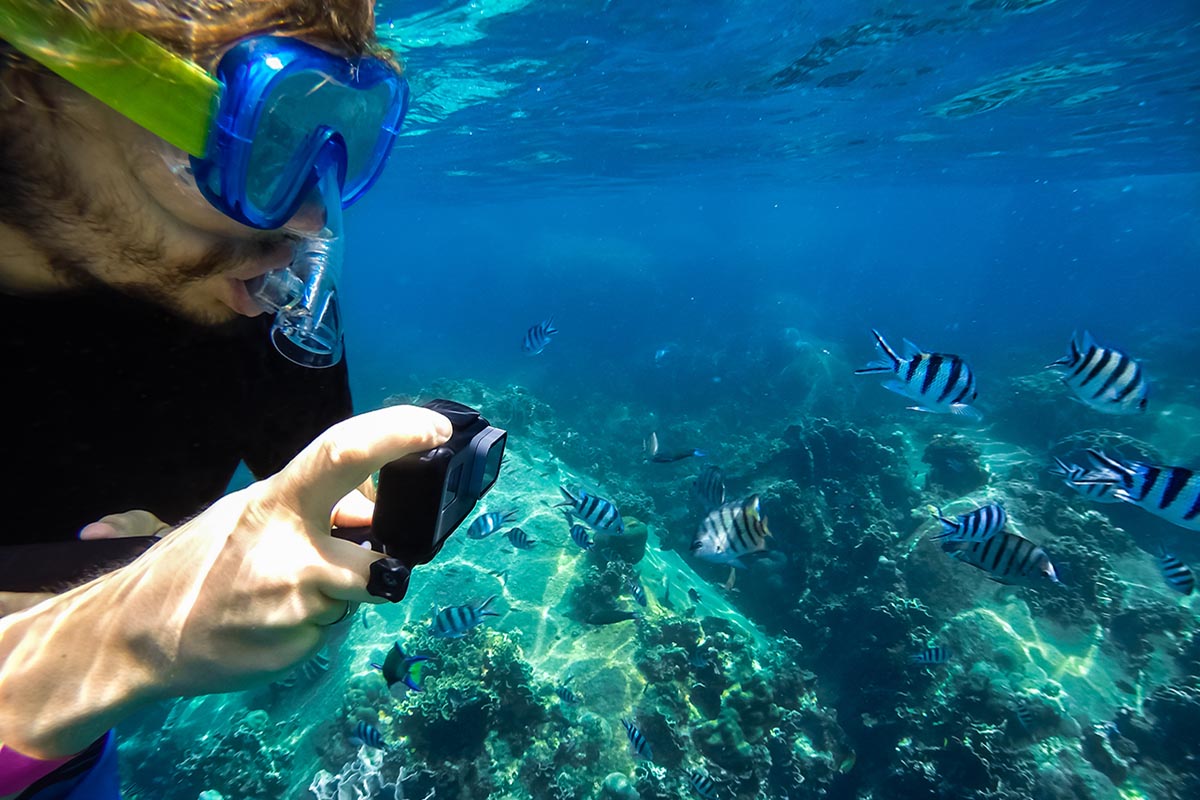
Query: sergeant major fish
x: 637, y: 741
x: 978, y: 525
x: 1172, y: 493
x: 732, y: 531
x: 941, y: 383
x: 520, y: 539
x: 932, y: 655
x: 638, y: 592
x: 1007, y: 558
x: 579, y: 536
x: 1177, y: 574
x: 367, y: 734
x: 599, y: 513
x: 1103, y: 378
x: 710, y: 487
x: 1075, y: 476
x: 566, y: 693
x: 486, y: 524
x: 537, y: 337
x: 702, y: 785
x: 455, y: 621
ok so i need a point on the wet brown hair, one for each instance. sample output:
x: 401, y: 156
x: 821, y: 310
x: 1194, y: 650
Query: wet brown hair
x: 200, y: 29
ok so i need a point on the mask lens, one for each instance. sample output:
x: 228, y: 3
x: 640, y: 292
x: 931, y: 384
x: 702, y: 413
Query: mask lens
x: 302, y: 106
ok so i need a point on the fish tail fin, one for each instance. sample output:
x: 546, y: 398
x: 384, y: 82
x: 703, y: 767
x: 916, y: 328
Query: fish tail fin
x: 482, y: 606
x: 966, y: 411
x: 890, y: 365
x: 949, y: 528
x: 1061, y: 468
x: 569, y: 499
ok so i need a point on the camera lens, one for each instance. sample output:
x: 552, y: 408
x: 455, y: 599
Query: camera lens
x: 491, y: 469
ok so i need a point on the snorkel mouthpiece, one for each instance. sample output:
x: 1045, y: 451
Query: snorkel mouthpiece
x: 303, y: 295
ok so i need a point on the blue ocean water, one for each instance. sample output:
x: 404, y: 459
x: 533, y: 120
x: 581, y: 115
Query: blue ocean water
x: 716, y: 202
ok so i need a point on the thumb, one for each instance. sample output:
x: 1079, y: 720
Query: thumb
x: 342, y: 457
x: 122, y: 526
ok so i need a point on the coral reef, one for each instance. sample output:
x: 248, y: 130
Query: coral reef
x: 954, y: 467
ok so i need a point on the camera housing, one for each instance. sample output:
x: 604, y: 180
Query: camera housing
x: 423, y: 497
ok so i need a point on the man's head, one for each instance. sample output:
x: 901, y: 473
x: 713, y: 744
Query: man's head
x: 86, y: 196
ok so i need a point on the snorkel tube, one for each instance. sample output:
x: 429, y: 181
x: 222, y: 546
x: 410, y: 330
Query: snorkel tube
x: 303, y: 295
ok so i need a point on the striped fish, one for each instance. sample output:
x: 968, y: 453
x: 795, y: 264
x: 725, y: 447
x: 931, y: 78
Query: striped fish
x: 637, y: 741
x: 1177, y: 574
x: 579, y: 535
x: 486, y: 524
x: 520, y: 539
x: 710, y: 487
x: 1027, y: 713
x: 702, y: 785
x: 1007, y: 558
x: 932, y: 655
x: 1074, y: 476
x: 537, y: 337
x: 975, y: 526
x: 638, y: 592
x: 1103, y: 378
x: 599, y: 514
x: 566, y: 693
x: 732, y: 531
x: 455, y: 621
x: 941, y: 383
x: 368, y: 734
x: 1172, y: 493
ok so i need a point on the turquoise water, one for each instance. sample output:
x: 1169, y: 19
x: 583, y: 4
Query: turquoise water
x: 717, y: 202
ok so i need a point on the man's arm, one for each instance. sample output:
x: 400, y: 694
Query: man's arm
x: 12, y: 602
x: 227, y: 600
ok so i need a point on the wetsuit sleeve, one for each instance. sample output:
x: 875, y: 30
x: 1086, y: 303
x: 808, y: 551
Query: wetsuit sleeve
x: 297, y: 405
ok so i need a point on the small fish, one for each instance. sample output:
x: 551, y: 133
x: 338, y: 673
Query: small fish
x: 401, y: 668
x: 657, y: 456
x: 638, y: 592
x: 487, y: 524
x: 710, y: 487
x: 702, y: 785
x: 693, y: 594
x: 1075, y: 476
x: 501, y: 575
x: 609, y: 616
x: 600, y: 514
x: 566, y: 693
x: 637, y: 741
x: 1103, y: 378
x: 1026, y: 714
x: 520, y: 539
x: 455, y: 621
x: 932, y: 655
x: 975, y: 526
x: 366, y: 619
x: 940, y: 382
x: 368, y: 734
x: 1177, y: 574
x: 697, y: 660
x: 537, y: 337
x: 730, y: 532
x: 1007, y: 558
x: 579, y: 535
x: 1172, y: 493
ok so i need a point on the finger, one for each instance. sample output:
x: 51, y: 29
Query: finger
x: 122, y: 526
x: 342, y: 457
x: 346, y: 571
x: 353, y: 511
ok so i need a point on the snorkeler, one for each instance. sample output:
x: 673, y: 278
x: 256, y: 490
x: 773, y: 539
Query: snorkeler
x: 170, y: 246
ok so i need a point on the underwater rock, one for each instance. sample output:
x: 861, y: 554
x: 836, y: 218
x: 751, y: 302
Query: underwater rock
x: 360, y: 779
x: 1099, y: 752
x: 954, y: 467
x: 617, y: 787
x: 629, y: 546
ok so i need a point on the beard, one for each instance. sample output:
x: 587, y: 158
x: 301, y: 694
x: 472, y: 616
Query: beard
x: 95, y: 225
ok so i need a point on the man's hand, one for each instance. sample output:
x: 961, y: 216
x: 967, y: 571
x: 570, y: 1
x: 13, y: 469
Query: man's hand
x: 233, y: 597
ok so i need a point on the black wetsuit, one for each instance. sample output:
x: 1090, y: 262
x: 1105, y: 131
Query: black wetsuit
x: 112, y: 404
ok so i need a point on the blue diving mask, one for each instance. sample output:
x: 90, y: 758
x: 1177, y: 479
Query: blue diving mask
x: 281, y: 124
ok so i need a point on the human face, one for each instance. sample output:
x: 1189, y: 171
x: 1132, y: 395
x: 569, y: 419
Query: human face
x: 100, y: 203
